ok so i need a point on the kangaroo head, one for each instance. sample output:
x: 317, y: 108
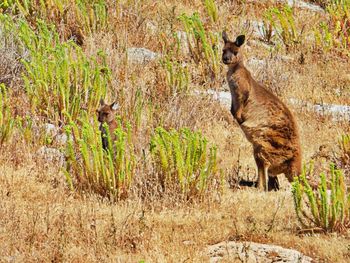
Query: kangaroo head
x: 106, y: 113
x: 230, y: 53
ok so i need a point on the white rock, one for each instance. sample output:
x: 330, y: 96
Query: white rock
x: 250, y: 252
x: 61, y: 139
x: 141, y: 55
x: 337, y: 112
x: 303, y: 5
x: 51, y: 155
x: 258, y: 28
x: 50, y: 129
x: 183, y: 39
x: 297, y: 3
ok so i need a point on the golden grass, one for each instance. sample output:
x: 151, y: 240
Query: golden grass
x: 43, y: 221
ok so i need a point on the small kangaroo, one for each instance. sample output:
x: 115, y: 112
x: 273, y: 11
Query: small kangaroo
x: 264, y: 118
x: 106, y: 114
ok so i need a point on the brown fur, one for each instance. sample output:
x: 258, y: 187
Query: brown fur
x: 265, y: 120
x: 106, y: 114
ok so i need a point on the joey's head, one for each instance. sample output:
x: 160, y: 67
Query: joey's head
x: 106, y: 113
x: 231, y: 54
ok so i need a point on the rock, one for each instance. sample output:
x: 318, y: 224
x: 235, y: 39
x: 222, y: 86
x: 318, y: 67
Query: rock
x: 337, y: 112
x: 250, y: 252
x: 258, y: 29
x: 61, y: 139
x: 259, y: 44
x: 303, y: 5
x: 141, y: 55
x: 224, y: 97
x: 296, y: 3
x: 183, y: 39
x: 50, y: 129
x: 52, y: 155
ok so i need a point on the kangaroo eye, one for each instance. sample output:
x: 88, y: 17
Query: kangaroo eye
x: 235, y: 53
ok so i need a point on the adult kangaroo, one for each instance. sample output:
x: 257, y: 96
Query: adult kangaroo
x: 264, y: 118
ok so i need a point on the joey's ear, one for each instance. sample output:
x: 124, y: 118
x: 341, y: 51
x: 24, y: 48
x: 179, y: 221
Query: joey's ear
x: 114, y: 106
x: 240, y: 40
x: 102, y: 102
x: 224, y: 36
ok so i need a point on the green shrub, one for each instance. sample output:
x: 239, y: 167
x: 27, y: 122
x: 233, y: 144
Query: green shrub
x: 283, y: 22
x: 203, y: 44
x: 177, y: 75
x: 87, y: 16
x: 328, y: 208
x: 59, y: 78
x: 183, y: 162
x: 107, y: 172
x: 344, y: 144
x: 212, y: 10
x: 334, y: 34
x: 7, y: 121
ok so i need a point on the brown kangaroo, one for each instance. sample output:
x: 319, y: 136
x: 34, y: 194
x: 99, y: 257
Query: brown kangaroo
x: 264, y: 118
x: 106, y: 114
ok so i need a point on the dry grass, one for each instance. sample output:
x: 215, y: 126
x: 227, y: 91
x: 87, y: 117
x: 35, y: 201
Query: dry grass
x: 41, y: 220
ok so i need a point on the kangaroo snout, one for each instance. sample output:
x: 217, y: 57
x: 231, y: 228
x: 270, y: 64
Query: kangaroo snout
x: 226, y: 58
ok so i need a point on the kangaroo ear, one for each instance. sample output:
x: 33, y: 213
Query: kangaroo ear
x: 102, y: 102
x: 114, y: 106
x: 224, y: 36
x: 240, y: 40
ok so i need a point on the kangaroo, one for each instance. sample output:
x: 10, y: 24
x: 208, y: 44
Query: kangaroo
x: 264, y: 118
x: 106, y: 114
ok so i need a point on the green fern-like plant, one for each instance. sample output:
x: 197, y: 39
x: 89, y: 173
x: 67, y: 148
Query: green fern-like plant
x: 184, y: 162
x: 283, y: 23
x: 7, y: 121
x: 202, y: 44
x: 177, y: 75
x: 212, y: 10
x: 344, y: 144
x: 108, y: 172
x: 58, y: 77
x: 328, y: 207
x: 334, y: 34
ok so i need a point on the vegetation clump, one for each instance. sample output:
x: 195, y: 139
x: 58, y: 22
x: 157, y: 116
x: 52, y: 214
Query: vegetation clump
x: 328, y: 207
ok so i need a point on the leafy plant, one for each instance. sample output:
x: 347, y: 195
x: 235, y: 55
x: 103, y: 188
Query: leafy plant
x: 183, y: 161
x: 107, y: 172
x: 202, y: 44
x: 83, y: 15
x: 328, y: 208
x: 59, y: 78
x: 344, y: 144
x: 177, y: 75
x: 283, y: 23
x: 7, y: 121
x: 334, y: 34
x: 212, y: 10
